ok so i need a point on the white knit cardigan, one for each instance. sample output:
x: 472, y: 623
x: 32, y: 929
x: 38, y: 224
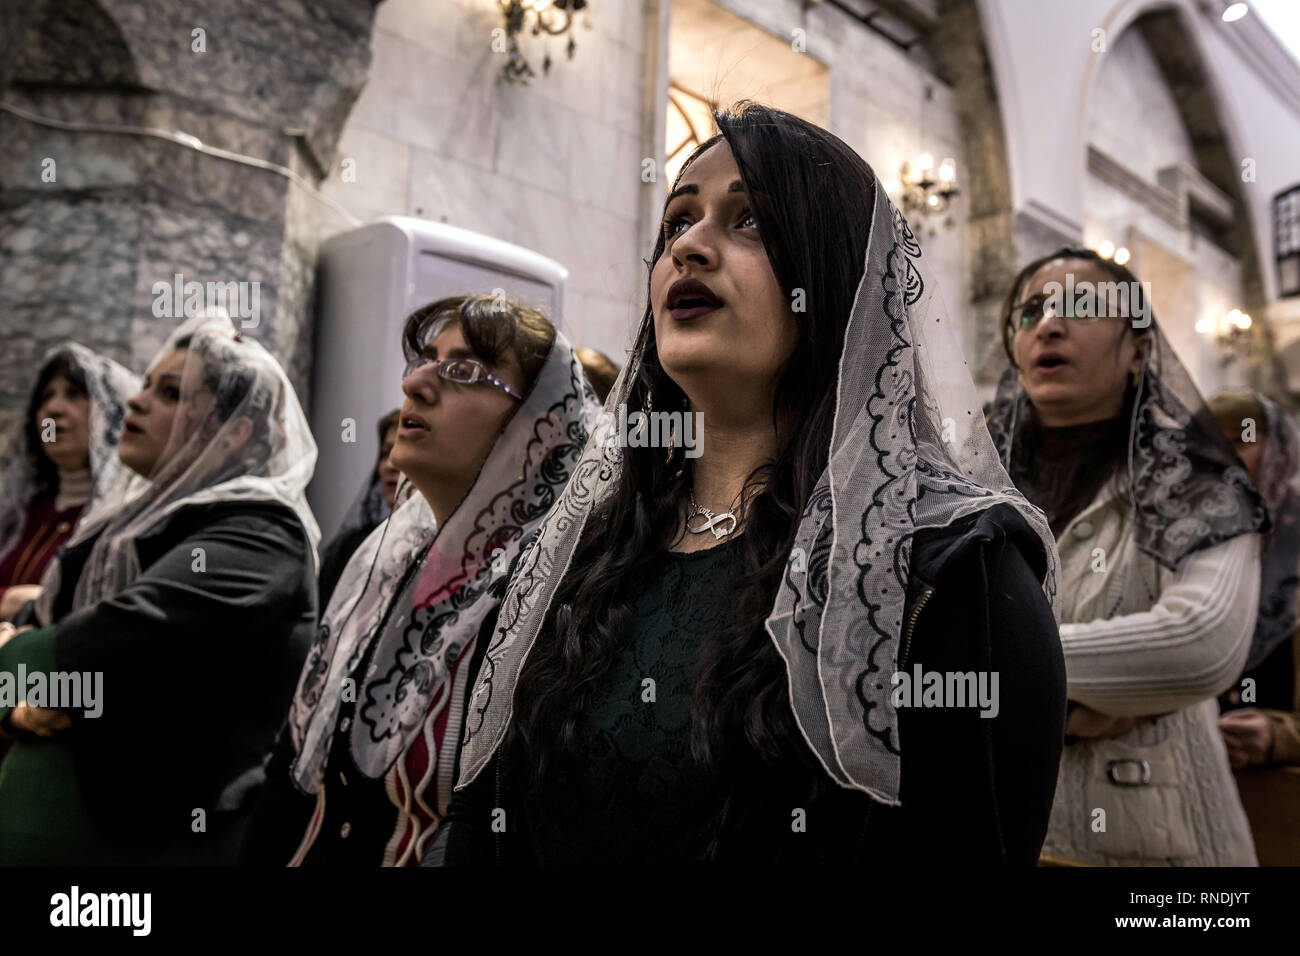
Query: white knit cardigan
x: 1141, y: 640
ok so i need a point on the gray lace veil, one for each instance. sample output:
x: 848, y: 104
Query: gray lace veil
x: 108, y: 386
x: 1187, y: 487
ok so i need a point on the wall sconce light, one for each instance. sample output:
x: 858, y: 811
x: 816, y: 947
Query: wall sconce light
x: 1108, y: 250
x: 926, y: 190
x: 552, y: 17
x: 1234, y: 12
x: 1230, y: 332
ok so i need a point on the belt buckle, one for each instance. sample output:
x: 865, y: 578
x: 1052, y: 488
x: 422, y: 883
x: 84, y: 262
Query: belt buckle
x: 1142, y: 767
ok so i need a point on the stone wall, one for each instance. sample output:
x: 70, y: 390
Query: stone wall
x: 91, y: 218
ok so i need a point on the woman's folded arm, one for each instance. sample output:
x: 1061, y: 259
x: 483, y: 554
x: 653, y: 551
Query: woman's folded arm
x: 1190, y: 646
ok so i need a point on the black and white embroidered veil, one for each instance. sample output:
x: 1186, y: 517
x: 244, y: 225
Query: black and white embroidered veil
x: 419, y: 592
x: 909, y: 451
x: 108, y: 386
x: 229, y: 382
x: 1188, y: 490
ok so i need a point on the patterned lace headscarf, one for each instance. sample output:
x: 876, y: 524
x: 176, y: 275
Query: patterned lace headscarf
x: 1188, y: 490
x: 419, y: 592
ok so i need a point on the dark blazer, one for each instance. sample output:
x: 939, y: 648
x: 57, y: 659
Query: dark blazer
x: 199, y: 665
x: 975, y: 791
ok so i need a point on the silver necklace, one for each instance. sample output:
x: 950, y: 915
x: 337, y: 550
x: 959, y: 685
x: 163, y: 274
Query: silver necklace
x: 713, y: 522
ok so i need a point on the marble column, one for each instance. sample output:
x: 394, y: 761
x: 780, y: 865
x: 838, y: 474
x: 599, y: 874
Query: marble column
x: 91, y: 218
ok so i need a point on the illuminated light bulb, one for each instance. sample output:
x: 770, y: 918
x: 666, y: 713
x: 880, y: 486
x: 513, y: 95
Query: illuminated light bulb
x: 1244, y: 321
x: 947, y: 171
x: 1106, y: 249
x: 1235, y: 12
x: 925, y: 163
x: 933, y: 200
x: 1121, y: 256
x: 1203, y: 326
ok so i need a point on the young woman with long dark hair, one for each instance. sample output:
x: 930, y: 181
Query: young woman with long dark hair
x: 700, y: 655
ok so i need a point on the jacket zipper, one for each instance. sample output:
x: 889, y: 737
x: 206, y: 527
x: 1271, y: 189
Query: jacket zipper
x: 496, y: 836
x: 902, y: 662
x: 862, y: 837
x: 911, y: 624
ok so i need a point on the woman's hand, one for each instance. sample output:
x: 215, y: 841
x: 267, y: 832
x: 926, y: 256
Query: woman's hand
x: 8, y: 632
x: 1084, y: 722
x: 41, y: 721
x: 1248, y: 734
x: 15, y: 597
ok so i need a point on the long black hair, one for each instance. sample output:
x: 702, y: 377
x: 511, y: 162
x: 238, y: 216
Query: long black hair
x: 812, y: 197
x: 60, y: 365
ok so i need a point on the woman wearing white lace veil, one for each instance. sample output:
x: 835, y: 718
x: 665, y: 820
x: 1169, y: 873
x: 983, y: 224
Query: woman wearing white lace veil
x: 495, y: 417
x: 62, y: 461
x: 186, y: 605
x: 1157, y: 526
x: 650, y: 695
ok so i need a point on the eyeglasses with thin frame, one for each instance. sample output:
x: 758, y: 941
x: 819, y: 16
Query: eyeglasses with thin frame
x: 1037, y: 307
x: 462, y: 371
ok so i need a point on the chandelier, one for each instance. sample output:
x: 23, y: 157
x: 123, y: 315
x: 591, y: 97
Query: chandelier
x: 550, y: 17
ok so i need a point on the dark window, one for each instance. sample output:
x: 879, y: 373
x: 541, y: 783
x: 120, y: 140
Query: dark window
x: 1286, y: 240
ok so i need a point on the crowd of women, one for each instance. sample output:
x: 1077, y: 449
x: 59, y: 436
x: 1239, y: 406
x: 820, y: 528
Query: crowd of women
x: 530, y: 646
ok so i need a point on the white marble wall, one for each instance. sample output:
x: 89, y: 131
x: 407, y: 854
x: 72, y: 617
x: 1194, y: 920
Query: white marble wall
x: 1132, y: 115
x: 888, y: 107
x: 554, y: 166
x: 1046, y: 71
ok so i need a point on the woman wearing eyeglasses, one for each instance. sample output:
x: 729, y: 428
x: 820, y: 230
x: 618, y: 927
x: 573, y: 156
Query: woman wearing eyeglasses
x: 1157, y: 523
x: 493, y: 423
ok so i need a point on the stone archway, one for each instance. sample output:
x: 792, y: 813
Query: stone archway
x: 1166, y: 29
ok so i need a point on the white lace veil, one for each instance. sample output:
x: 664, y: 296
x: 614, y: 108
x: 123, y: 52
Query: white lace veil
x: 108, y: 386
x: 419, y: 593
x: 909, y: 451
x: 230, y: 385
